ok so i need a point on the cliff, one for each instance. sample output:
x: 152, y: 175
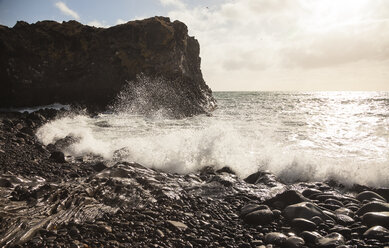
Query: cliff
x: 71, y: 63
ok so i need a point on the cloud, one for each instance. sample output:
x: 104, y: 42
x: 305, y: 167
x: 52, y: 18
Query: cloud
x: 66, y: 10
x: 97, y: 24
x: 257, y: 40
x: 173, y: 3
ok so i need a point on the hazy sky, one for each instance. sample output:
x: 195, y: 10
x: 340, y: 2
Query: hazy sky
x: 255, y: 44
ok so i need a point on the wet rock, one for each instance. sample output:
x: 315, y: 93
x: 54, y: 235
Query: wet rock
x: 309, y: 192
x: 373, y: 207
x: 259, y: 217
x: 369, y: 196
x: 384, y: 192
x: 345, y: 211
x: 377, y: 232
x: 99, y: 166
x: 226, y: 170
x: 305, y: 210
x: 250, y: 208
x: 58, y: 157
x: 177, y: 225
x: 345, y: 231
x: 376, y: 219
x: 331, y: 240
x: 275, y: 238
x: 286, y: 198
x: 334, y: 202
x: 344, y: 219
x: 300, y: 225
x: 262, y: 177
x: 310, y: 237
x: 5, y: 183
x: 294, y: 242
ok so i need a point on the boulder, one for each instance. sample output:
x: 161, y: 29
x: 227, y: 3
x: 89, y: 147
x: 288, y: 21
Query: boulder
x: 152, y: 62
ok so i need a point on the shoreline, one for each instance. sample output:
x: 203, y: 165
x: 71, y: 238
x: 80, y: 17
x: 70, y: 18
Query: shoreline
x: 48, y: 201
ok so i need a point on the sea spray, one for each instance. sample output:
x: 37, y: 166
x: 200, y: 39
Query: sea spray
x: 249, y: 132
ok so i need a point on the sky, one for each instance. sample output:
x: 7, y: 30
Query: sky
x: 297, y: 45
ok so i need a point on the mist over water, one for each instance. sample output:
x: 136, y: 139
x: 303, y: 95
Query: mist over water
x: 298, y: 136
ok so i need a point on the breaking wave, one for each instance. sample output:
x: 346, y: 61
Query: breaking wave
x: 177, y: 146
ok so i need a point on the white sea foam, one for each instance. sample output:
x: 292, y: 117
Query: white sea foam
x: 189, y: 144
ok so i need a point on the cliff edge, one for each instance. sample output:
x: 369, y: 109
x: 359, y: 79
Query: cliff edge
x: 71, y: 63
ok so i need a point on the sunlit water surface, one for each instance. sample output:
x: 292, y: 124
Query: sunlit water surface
x: 297, y: 136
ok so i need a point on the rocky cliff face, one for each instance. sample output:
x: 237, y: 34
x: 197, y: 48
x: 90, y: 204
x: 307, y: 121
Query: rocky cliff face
x: 71, y: 63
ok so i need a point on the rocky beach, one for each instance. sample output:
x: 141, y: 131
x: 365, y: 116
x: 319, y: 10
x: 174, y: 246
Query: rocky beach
x: 52, y: 200
x: 51, y: 197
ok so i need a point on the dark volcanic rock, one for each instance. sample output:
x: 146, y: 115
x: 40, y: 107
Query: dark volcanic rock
x: 376, y: 219
x: 71, y: 63
x: 286, y: 198
x: 58, y: 157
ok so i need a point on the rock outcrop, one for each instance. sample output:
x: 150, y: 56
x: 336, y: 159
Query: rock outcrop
x: 71, y: 63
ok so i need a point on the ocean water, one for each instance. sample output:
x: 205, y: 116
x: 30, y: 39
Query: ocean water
x: 299, y: 136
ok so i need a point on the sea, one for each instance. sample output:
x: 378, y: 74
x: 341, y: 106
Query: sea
x: 298, y: 136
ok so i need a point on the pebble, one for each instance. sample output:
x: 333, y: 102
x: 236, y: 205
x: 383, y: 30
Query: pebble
x: 177, y: 225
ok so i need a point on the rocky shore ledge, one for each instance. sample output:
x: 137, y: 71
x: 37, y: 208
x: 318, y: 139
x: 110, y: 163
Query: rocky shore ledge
x: 48, y: 200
